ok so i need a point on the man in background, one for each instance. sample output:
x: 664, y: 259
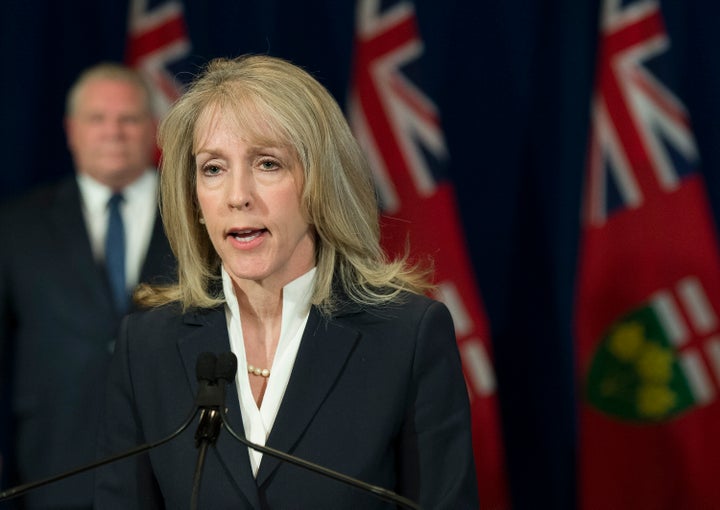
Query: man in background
x: 71, y: 255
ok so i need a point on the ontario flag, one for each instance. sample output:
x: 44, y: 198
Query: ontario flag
x: 649, y: 284
x: 399, y: 128
x: 158, y: 46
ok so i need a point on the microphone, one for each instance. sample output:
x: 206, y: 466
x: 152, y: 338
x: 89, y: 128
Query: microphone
x: 205, y: 366
x: 210, y: 397
x: 226, y: 368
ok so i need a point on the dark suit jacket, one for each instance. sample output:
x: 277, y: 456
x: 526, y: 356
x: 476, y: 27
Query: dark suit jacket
x: 377, y: 394
x: 57, y: 330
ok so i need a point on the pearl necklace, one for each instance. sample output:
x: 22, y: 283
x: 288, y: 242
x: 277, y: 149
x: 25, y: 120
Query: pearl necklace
x: 265, y: 372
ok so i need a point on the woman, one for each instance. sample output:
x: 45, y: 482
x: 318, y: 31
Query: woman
x: 269, y: 207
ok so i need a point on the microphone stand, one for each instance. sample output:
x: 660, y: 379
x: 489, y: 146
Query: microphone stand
x: 206, y: 394
x: 211, y: 396
x: 210, y: 402
x: 225, y: 373
x: 206, y: 435
x: 384, y: 494
x: 22, y: 489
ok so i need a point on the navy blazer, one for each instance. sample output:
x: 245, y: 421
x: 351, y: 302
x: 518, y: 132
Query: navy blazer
x: 376, y: 393
x: 57, y: 329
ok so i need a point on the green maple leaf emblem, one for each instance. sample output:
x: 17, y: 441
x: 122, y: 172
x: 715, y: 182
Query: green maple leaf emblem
x: 635, y: 374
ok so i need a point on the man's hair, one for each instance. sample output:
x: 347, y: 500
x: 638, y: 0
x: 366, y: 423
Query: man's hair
x: 109, y: 71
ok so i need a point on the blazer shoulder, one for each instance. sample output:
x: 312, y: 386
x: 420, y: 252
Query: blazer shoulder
x: 43, y: 194
x: 40, y: 199
x: 420, y: 301
x: 399, y: 316
x: 149, y: 329
x: 407, y: 304
x: 171, y: 315
x: 161, y: 315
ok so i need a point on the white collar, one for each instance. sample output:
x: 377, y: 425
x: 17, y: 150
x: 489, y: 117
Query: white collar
x: 295, y: 312
x: 95, y: 194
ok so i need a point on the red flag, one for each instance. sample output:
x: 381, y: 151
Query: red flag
x: 399, y: 127
x: 649, y: 283
x: 157, y: 37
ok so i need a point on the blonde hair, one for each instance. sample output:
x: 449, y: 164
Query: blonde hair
x: 338, y: 196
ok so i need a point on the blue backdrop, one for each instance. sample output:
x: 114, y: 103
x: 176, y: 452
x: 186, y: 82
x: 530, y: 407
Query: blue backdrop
x: 512, y: 80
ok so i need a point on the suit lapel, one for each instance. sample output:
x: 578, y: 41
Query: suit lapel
x: 212, y: 336
x: 159, y: 264
x: 323, y: 351
x: 68, y: 224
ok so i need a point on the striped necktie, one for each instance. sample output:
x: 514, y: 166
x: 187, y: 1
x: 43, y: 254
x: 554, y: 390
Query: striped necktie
x: 115, y: 253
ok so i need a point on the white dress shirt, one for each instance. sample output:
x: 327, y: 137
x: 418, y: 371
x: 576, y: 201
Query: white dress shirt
x: 138, y: 210
x: 295, y: 312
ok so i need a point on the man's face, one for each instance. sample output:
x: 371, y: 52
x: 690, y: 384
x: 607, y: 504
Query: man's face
x: 111, y: 132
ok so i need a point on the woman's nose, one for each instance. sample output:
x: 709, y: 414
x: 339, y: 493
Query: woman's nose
x: 241, y: 190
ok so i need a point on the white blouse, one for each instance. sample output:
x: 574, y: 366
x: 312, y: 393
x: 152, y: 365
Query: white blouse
x: 138, y: 211
x: 258, y: 422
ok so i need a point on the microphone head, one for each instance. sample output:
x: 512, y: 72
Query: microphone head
x: 205, y: 366
x: 226, y: 366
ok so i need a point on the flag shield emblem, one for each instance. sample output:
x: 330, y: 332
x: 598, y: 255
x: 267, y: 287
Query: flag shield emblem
x: 635, y: 374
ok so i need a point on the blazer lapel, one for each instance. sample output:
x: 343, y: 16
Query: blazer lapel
x: 212, y: 336
x: 324, y: 348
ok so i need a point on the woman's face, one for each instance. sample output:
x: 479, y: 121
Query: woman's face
x: 249, y: 197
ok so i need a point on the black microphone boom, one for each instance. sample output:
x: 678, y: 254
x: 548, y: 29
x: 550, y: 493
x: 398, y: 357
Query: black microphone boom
x: 384, y: 494
x: 205, y: 367
x: 22, y: 489
x: 211, y: 396
x: 213, y: 374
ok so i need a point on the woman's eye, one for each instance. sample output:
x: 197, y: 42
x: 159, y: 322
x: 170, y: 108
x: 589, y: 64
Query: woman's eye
x: 269, y: 164
x: 211, y: 170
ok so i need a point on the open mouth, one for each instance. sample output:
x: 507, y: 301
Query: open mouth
x: 245, y: 236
